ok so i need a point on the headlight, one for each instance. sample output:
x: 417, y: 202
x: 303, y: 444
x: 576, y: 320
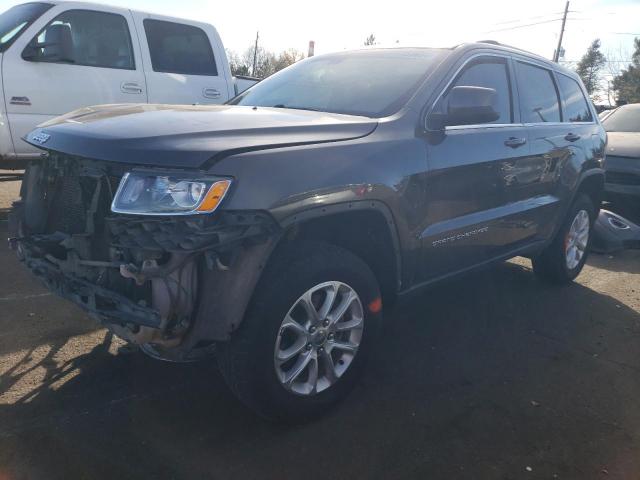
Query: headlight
x: 151, y: 194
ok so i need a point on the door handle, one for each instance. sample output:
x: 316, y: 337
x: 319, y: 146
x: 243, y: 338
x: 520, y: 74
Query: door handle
x: 572, y: 137
x: 130, y: 87
x: 515, y: 142
x: 210, y: 93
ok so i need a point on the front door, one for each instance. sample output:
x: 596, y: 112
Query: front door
x: 466, y: 204
x: 70, y: 58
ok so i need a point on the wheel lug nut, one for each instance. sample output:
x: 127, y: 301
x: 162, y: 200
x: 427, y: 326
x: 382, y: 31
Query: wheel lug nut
x: 312, y: 329
x: 308, y: 346
x: 321, y: 349
x: 326, y: 323
x: 331, y: 336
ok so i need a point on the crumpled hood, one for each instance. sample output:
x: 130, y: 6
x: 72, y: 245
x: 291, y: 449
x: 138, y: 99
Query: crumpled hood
x: 623, y: 144
x: 189, y: 136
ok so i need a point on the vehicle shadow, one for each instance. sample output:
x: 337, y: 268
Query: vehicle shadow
x: 478, y: 378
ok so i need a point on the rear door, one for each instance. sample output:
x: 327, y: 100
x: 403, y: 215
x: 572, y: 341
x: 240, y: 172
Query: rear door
x: 183, y: 62
x: 534, y: 181
x: 465, y: 200
x: 70, y: 58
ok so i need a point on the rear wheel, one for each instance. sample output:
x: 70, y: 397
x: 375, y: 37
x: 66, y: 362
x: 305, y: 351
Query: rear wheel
x: 304, y: 341
x: 563, y: 260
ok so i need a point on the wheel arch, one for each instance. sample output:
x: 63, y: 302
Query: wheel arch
x: 365, y: 228
x: 591, y: 183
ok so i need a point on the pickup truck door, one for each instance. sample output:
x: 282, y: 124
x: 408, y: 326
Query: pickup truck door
x: 184, y: 61
x: 467, y: 213
x: 70, y: 58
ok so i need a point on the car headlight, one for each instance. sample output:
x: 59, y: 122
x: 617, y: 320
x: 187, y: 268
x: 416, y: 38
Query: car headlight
x: 142, y: 193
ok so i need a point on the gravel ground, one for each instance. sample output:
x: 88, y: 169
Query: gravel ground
x: 491, y: 376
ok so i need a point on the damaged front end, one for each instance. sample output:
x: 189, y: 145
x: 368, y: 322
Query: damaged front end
x: 173, y: 284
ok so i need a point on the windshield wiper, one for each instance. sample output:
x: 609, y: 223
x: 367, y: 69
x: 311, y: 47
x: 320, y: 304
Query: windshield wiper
x: 292, y: 107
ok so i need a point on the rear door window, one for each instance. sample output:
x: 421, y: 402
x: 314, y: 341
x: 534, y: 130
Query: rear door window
x: 576, y: 108
x: 84, y: 37
x: 179, y: 48
x: 539, y: 100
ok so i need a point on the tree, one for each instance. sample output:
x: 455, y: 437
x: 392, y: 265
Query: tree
x: 267, y: 63
x: 627, y: 83
x: 590, y: 66
x: 237, y: 66
x: 370, y: 40
x: 286, y: 58
x: 264, y: 61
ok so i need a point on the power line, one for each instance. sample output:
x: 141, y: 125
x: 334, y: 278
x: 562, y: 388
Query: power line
x: 522, y: 26
x: 528, y: 18
x: 606, y: 61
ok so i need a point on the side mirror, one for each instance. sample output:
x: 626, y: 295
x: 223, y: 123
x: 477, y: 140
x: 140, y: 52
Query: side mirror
x: 57, y: 46
x: 467, y: 105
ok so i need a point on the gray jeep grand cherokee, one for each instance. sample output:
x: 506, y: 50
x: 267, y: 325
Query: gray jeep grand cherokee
x: 274, y: 231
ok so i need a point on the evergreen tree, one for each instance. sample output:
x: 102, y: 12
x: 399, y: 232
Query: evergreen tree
x: 627, y: 83
x: 590, y: 66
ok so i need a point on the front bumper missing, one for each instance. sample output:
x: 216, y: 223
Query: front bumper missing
x: 231, y: 250
x: 103, y: 304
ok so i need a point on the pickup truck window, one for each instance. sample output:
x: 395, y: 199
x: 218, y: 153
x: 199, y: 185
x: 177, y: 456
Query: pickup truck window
x: 486, y: 73
x: 179, y: 48
x: 576, y: 108
x: 86, y: 38
x: 539, y: 100
x: 17, y: 19
x: 370, y: 83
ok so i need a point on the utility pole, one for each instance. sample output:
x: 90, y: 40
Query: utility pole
x: 556, y: 54
x: 255, y: 55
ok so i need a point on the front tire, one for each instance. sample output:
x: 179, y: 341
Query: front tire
x: 563, y: 260
x: 307, y: 333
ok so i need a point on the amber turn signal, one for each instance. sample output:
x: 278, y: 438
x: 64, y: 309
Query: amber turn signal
x: 214, y: 196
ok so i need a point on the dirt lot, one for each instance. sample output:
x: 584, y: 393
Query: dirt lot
x: 492, y: 376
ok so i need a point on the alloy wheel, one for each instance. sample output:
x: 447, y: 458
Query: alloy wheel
x: 577, y: 238
x: 319, y: 338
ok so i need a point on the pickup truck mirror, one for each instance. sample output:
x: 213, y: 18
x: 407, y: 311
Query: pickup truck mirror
x: 467, y: 105
x: 56, y: 47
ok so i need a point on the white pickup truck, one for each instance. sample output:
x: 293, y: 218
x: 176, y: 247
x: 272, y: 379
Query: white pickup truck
x: 56, y: 57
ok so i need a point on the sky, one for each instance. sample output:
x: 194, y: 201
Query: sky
x: 344, y: 24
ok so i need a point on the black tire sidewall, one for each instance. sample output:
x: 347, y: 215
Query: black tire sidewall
x: 278, y: 293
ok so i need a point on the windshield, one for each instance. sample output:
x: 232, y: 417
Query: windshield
x: 371, y: 83
x: 16, y: 20
x: 624, y: 119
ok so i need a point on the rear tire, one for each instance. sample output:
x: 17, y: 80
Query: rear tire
x: 251, y: 361
x: 563, y: 260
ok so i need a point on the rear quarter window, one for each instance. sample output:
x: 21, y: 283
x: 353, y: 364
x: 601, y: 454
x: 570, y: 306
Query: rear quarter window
x: 576, y: 107
x: 179, y: 48
x: 539, y: 100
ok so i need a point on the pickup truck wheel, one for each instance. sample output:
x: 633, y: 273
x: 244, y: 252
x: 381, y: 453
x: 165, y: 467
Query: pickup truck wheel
x: 563, y: 259
x: 307, y: 333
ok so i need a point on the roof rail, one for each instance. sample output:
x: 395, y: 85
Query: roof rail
x: 494, y: 42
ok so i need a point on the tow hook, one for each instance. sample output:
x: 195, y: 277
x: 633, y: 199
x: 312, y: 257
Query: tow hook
x: 131, y: 271
x: 150, y: 268
x: 16, y: 246
x: 13, y: 243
